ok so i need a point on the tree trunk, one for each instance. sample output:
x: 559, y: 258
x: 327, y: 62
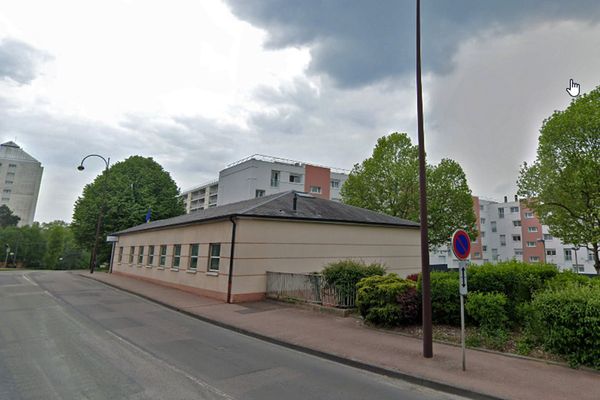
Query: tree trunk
x: 596, y: 258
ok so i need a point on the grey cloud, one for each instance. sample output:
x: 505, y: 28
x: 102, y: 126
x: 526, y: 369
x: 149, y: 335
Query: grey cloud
x: 19, y: 61
x: 360, y: 42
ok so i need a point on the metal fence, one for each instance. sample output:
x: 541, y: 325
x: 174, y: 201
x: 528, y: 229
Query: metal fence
x: 309, y: 288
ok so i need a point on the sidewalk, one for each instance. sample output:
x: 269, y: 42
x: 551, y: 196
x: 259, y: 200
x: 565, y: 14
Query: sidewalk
x: 347, y: 340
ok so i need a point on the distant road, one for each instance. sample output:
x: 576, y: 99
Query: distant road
x: 66, y: 337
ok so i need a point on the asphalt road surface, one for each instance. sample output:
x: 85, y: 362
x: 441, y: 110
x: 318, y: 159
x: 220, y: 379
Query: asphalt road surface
x: 66, y: 337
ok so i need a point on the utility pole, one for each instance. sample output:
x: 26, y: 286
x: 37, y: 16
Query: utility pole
x: 427, y: 324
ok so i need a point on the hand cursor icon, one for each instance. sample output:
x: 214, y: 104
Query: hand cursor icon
x: 573, y: 88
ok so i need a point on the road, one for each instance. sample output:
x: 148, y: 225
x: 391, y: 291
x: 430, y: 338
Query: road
x: 66, y: 337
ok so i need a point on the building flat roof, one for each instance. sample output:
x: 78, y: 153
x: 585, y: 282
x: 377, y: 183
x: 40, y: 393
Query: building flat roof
x: 280, y: 206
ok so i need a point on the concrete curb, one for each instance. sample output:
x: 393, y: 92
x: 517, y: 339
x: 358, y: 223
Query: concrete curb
x: 418, y: 380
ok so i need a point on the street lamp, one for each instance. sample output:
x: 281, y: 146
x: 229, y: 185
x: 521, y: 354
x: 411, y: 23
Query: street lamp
x: 100, y: 212
x: 543, y: 242
x: 576, y: 268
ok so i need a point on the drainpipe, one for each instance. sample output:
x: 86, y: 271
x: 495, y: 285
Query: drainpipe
x: 295, y: 203
x: 231, y: 256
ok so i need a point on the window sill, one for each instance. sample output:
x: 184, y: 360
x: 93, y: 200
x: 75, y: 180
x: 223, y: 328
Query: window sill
x: 212, y: 273
x: 161, y: 268
x: 191, y: 271
x: 174, y: 269
x: 148, y: 266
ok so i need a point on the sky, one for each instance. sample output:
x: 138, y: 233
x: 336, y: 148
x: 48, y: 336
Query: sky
x: 200, y: 84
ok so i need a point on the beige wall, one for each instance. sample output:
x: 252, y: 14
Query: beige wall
x: 268, y: 245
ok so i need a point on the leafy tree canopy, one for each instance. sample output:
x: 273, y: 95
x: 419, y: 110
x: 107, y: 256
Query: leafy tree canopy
x: 126, y: 192
x: 563, y: 183
x: 7, y: 218
x: 388, y: 182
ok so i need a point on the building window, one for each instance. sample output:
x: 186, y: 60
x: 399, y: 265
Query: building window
x: 530, y: 244
x: 482, y: 234
x: 260, y: 193
x: 502, y: 240
x: 568, y: 255
x: 275, y: 178
x: 532, y: 229
x: 480, y: 208
x: 6, y: 199
x: 484, y: 248
x: 534, y: 259
x: 315, y: 189
x: 163, y: 255
x: 516, y: 238
x: 494, y: 229
x: 476, y: 255
x: 494, y: 254
x: 501, y: 212
x: 12, y: 165
x: 141, y: 255
x: 176, y: 256
x: 529, y: 215
x: 7, y: 191
x: 131, y: 252
x: 194, y: 250
x: 335, y: 183
x: 9, y: 174
x: 547, y: 237
x: 214, y: 256
x: 482, y: 221
x: 120, y: 254
x: 151, y: 255
x: 7, y: 182
x: 517, y: 222
x: 518, y: 252
x: 295, y: 178
x: 551, y: 252
x: 514, y: 209
x: 590, y: 256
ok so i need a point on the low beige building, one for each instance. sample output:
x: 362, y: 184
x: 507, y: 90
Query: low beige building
x: 224, y: 252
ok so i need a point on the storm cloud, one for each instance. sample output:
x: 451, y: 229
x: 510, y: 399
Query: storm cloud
x: 19, y: 61
x: 358, y: 42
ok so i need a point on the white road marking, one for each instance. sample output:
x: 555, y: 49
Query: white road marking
x: 28, y: 279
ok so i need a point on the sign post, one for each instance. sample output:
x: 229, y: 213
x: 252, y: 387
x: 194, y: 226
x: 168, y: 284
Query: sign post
x: 461, y: 246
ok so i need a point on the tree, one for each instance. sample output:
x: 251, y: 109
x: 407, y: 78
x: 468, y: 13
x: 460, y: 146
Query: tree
x: 7, y: 218
x: 563, y: 184
x: 388, y: 182
x: 62, y: 252
x: 125, y: 192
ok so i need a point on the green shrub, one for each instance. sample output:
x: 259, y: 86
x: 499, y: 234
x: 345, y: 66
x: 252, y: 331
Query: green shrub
x: 349, y: 272
x: 567, y: 322
x: 517, y: 280
x: 445, y: 299
x: 488, y: 310
x: 378, y: 300
x: 567, y: 278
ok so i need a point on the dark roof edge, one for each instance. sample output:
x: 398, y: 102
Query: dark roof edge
x: 271, y: 217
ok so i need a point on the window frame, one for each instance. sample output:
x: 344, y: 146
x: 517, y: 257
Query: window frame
x: 193, y: 259
x: 176, y: 257
x: 150, y: 258
x: 211, y: 257
x: 140, y: 256
x: 131, y: 254
x: 162, y: 258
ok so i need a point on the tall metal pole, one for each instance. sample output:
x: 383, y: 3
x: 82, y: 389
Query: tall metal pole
x: 100, y: 212
x: 426, y: 286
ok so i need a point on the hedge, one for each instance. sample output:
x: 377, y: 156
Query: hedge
x: 349, y: 272
x: 388, y: 300
x: 517, y: 280
x: 488, y: 310
x: 567, y: 322
x: 445, y: 299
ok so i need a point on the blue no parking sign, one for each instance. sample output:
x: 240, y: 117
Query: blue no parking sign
x: 461, y: 244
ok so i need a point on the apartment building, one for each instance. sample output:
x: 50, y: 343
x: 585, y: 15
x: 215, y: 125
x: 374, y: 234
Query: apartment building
x: 259, y: 175
x: 20, y: 178
x: 510, y: 230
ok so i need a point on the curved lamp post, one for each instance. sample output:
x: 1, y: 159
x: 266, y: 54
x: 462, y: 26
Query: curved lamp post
x: 100, y: 212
